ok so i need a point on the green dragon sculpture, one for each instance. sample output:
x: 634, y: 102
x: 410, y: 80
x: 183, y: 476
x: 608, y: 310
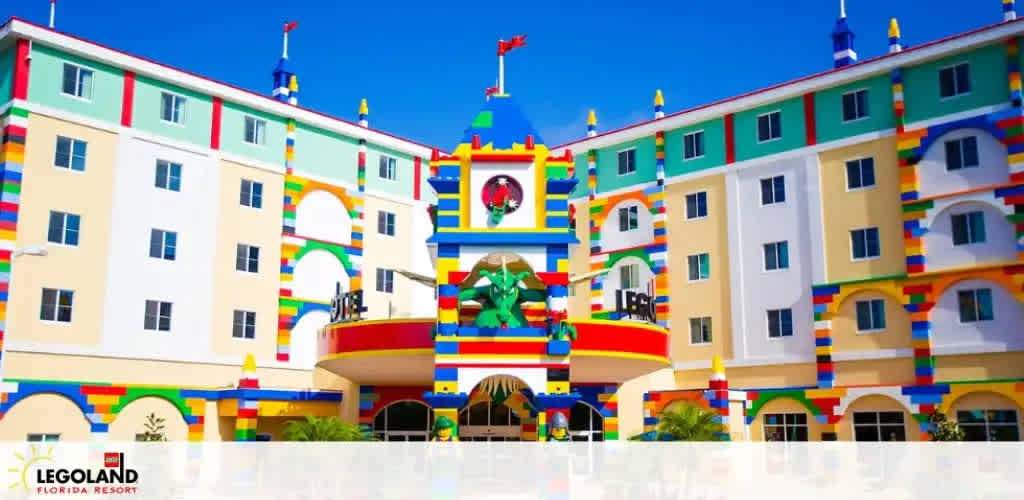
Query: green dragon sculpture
x: 502, y: 299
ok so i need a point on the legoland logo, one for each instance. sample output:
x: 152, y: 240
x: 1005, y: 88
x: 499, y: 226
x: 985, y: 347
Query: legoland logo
x: 36, y: 474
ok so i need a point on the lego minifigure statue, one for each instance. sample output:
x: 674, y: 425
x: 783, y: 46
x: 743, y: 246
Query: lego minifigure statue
x: 444, y: 430
x: 559, y: 427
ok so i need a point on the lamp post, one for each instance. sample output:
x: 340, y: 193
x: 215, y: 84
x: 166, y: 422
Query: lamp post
x: 35, y: 251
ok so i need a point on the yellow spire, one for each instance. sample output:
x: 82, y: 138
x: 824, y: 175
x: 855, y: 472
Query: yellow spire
x: 717, y: 367
x: 659, y: 100
x: 894, y: 28
x: 592, y: 118
x: 293, y: 83
x: 363, y: 108
x: 250, y: 364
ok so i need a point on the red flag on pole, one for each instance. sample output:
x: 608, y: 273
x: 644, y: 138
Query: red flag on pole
x: 516, y: 41
x: 290, y: 26
x: 491, y: 90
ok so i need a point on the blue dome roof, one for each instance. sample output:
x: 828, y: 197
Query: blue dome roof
x: 500, y: 123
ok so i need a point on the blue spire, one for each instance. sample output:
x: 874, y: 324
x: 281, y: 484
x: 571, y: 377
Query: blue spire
x: 842, y: 40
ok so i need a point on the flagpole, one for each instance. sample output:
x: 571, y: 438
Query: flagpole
x: 53, y: 8
x: 284, y: 50
x: 501, y: 73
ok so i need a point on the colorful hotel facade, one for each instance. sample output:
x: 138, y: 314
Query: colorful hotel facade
x: 830, y: 258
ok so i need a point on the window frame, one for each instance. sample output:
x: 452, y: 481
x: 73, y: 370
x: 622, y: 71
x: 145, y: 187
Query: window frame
x: 694, y: 133
x: 977, y: 309
x: 78, y: 83
x: 775, y: 200
x: 853, y: 245
x: 42, y: 437
x: 782, y: 334
x: 71, y: 154
x: 696, y: 195
x: 385, y: 280
x: 632, y: 216
x: 757, y: 124
x: 261, y: 138
x: 248, y: 259
x: 867, y: 105
x: 183, y: 114
x: 633, y: 270
x: 969, y: 226
x: 702, y: 322
x: 689, y: 267
x: 64, y: 231
x: 988, y: 424
x: 390, y: 165
x: 247, y: 325
x: 242, y: 193
x: 58, y: 293
x: 874, y: 328
x: 157, y: 327
x: 618, y: 167
x: 778, y: 260
x: 954, y: 67
x: 878, y: 425
x: 163, y: 244
x: 388, y: 222
x: 169, y: 175
x: 859, y: 162
x: 959, y: 141
x: 785, y: 425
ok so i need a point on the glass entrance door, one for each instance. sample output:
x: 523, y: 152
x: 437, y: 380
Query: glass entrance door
x: 487, y: 421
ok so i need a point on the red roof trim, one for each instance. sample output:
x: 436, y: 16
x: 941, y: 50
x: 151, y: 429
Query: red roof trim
x: 798, y: 80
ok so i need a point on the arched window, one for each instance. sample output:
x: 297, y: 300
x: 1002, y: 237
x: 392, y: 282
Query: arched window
x: 403, y: 421
x: 585, y: 423
x: 488, y: 421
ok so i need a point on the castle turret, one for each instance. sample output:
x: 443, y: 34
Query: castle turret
x: 842, y: 40
x: 286, y: 83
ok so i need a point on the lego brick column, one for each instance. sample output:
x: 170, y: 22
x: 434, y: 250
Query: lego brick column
x: 659, y: 251
x: 248, y: 409
x: 609, y: 399
x: 824, y: 311
x: 918, y: 301
x: 718, y: 397
x: 1011, y: 123
x: 926, y: 398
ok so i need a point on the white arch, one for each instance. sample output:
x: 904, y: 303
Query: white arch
x: 302, y: 350
x: 934, y: 179
x: 999, y: 334
x: 322, y: 216
x: 1000, y: 243
x: 316, y: 274
x: 613, y: 280
x: 614, y: 239
x: 855, y: 393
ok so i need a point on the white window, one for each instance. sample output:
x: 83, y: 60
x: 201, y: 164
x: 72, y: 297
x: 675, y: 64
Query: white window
x: 699, y: 267
x: 388, y: 168
x: 879, y: 426
x: 172, y: 108
x: 168, y: 175
x: 70, y: 154
x: 693, y: 145
x: 43, y: 438
x: 780, y: 323
x: 255, y: 131
x: 870, y: 315
x: 385, y: 223
x: 968, y: 228
x: 385, y: 280
x: 962, y: 153
x: 63, y: 228
x: 251, y: 194
x: 769, y: 126
x: 158, y: 316
x: 785, y: 427
x: 163, y: 244
x: 247, y: 258
x: 700, y: 330
x: 864, y: 243
x: 697, y: 205
x: 975, y: 305
x: 776, y: 255
x: 56, y: 305
x: 629, y: 218
x: 77, y: 81
x: 773, y: 190
x: 627, y: 161
x: 629, y: 277
x: 860, y: 173
x: 989, y: 424
x: 244, y: 325
x: 855, y: 105
x: 954, y: 80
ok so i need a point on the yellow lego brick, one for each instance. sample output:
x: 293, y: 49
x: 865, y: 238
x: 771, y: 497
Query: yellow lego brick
x: 908, y: 144
x: 444, y: 266
x: 563, y: 265
x: 244, y: 424
x: 558, y: 387
x: 103, y: 399
x: 445, y: 387
x: 448, y: 316
x: 606, y: 398
x: 825, y: 393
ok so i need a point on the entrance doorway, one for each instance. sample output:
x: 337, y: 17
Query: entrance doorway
x: 488, y: 421
x: 403, y: 421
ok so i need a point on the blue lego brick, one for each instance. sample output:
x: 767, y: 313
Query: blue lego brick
x: 915, y: 259
x: 661, y: 299
x: 443, y: 400
x: 924, y: 371
x: 366, y: 389
x: 287, y: 269
x: 718, y: 403
x: 558, y: 347
x: 448, y: 204
x: 821, y: 291
x: 1009, y: 191
x: 446, y: 329
x: 544, y: 401
x: 447, y: 221
x: 820, y: 308
x: 447, y: 251
x: 446, y: 374
x: 447, y: 290
x: 561, y: 251
x: 558, y: 291
x: 444, y: 186
x: 449, y: 171
x: 912, y: 390
x: 556, y: 205
x: 446, y: 347
x: 650, y: 420
x: 491, y: 238
x: 823, y: 342
x: 556, y: 221
x: 1015, y: 148
x: 660, y: 231
x: 908, y: 196
x: 472, y: 331
x: 649, y: 190
x: 561, y: 186
x: 926, y: 399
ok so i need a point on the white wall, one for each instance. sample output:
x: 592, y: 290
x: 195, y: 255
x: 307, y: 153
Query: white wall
x: 134, y: 277
x: 1003, y: 331
x: 303, y: 339
x: 522, y: 172
x: 613, y: 280
x: 1000, y: 243
x: 934, y: 179
x: 614, y: 239
x: 316, y: 275
x: 322, y: 216
x: 424, y: 261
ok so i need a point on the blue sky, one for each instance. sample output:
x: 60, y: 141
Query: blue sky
x: 423, y: 66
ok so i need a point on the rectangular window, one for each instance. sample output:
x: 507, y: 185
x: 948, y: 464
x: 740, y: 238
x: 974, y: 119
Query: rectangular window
x: 70, y: 154
x: 385, y: 280
x: 247, y: 258
x: 168, y: 175
x: 699, y: 267
x: 693, y: 145
x: 385, y: 223
x: 776, y: 255
x: 870, y: 315
x: 629, y: 277
x: 158, y: 316
x: 962, y: 153
x: 954, y: 80
x: 77, y: 81
x: 855, y: 105
x: 63, y: 228
x: 865, y: 243
x: 785, y: 427
x: 172, y: 108
x: 773, y: 190
x: 968, y: 228
x: 255, y: 131
x: 989, y: 425
x: 251, y: 194
x: 860, y: 173
x: 43, y: 438
x: 769, y: 126
x: 627, y: 161
x: 700, y: 330
x: 244, y: 325
x: 697, y: 205
x: 629, y: 218
x: 879, y: 426
x: 780, y: 323
x: 975, y: 305
x: 388, y: 168
x: 56, y: 305
x: 163, y: 244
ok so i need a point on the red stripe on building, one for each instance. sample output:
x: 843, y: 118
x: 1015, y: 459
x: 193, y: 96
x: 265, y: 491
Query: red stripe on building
x: 511, y: 348
x: 730, y: 139
x: 21, y: 53
x: 218, y: 103
x: 810, y: 125
x: 127, y: 99
x: 379, y: 336
x: 417, y: 172
x: 105, y: 390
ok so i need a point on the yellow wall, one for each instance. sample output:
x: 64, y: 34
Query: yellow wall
x: 45, y: 414
x: 388, y: 252
x: 983, y: 400
x: 875, y: 372
x: 877, y: 206
x: 81, y: 268
x: 979, y: 366
x: 767, y: 376
x: 876, y: 402
x: 896, y: 335
x: 784, y: 405
x: 131, y: 420
x: 703, y: 298
x: 579, y: 263
x: 234, y: 289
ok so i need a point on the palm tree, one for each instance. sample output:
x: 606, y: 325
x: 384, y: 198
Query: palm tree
x: 689, y: 423
x: 323, y: 429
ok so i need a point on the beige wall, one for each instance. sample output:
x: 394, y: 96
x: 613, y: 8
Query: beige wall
x: 979, y: 366
x: 81, y: 268
x: 896, y: 335
x: 234, y: 289
x: 876, y: 402
x: 45, y: 414
x: 579, y: 263
x: 875, y: 372
x: 877, y: 206
x: 791, y: 375
x: 703, y: 298
x: 388, y: 252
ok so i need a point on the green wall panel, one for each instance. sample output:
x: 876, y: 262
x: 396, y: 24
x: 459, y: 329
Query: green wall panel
x: 326, y: 154
x: 6, y: 74
x: 404, y: 175
x: 714, y: 148
x: 608, y: 177
x: 793, y: 133
x: 989, y: 84
x: 232, y: 134
x: 828, y: 109
x: 580, y: 164
x: 45, y: 85
x: 146, y: 112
